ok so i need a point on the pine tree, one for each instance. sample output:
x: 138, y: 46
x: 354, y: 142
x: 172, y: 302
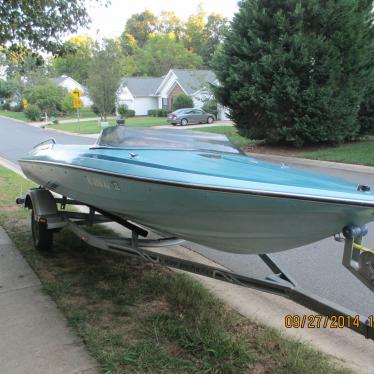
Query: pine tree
x: 294, y: 71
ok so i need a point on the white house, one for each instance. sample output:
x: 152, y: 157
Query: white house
x: 70, y: 84
x: 144, y: 93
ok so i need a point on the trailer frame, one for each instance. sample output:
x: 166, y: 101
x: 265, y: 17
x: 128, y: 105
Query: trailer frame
x: 46, y: 219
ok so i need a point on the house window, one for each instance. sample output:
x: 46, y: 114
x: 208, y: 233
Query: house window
x: 164, y: 103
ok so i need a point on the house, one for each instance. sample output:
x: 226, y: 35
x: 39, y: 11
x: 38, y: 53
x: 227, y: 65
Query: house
x: 144, y: 93
x: 70, y: 84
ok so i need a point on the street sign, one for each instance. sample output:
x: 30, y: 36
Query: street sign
x: 77, y: 102
x: 25, y: 103
x: 77, y: 92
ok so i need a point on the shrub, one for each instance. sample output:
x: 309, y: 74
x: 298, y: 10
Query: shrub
x: 152, y: 112
x: 122, y: 110
x: 67, y: 104
x: 5, y: 106
x: 210, y: 106
x: 33, y: 112
x: 130, y: 113
x: 366, y: 112
x: 48, y: 97
x: 293, y: 71
x: 182, y: 101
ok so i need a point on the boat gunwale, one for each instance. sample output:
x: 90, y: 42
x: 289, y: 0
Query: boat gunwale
x: 264, y: 193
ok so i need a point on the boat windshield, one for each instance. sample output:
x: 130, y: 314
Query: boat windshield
x: 143, y: 138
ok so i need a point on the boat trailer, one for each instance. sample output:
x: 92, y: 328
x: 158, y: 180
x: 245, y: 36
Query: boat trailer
x: 46, y: 219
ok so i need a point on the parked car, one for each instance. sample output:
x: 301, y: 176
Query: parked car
x: 187, y: 116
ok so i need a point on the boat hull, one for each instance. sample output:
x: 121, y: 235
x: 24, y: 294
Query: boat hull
x: 231, y: 221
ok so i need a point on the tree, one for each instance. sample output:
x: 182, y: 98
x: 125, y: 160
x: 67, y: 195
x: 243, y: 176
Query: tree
x: 75, y: 58
x: 214, y: 31
x: 170, y: 23
x: 194, y: 37
x: 141, y: 26
x: 7, y: 89
x: 294, y: 71
x: 104, y: 78
x: 47, y: 97
x: 182, y: 101
x: 39, y: 24
x: 159, y: 55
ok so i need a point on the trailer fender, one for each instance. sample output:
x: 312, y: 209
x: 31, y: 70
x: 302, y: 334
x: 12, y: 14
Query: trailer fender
x: 41, y: 201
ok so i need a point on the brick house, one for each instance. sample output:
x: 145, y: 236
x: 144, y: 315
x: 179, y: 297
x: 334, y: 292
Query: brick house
x: 144, y: 93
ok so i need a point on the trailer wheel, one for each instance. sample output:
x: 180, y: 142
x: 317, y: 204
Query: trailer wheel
x: 42, y: 237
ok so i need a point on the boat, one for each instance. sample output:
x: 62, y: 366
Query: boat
x: 199, y: 187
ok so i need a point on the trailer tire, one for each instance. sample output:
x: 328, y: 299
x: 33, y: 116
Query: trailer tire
x: 41, y: 236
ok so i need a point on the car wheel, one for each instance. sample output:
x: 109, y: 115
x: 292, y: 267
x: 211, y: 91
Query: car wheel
x: 184, y: 122
x: 210, y: 120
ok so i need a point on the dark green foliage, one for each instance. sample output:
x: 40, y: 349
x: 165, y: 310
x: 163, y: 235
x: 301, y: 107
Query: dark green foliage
x: 293, y: 71
x: 33, y: 113
x: 40, y: 23
x: 366, y: 112
x: 48, y: 97
x: 124, y: 111
x: 182, y: 101
x: 7, y: 89
x: 104, y: 77
x: 211, y: 107
x: 158, y: 112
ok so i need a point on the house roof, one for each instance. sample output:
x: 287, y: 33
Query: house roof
x: 194, y: 80
x: 60, y: 79
x: 142, y: 86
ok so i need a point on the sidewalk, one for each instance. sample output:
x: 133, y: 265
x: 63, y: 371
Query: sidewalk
x: 35, y: 337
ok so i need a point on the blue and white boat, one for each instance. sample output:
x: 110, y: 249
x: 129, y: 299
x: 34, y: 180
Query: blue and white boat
x: 197, y: 186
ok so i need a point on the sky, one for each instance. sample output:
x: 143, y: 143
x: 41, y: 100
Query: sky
x: 111, y: 21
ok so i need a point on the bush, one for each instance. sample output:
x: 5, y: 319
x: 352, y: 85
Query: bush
x: 182, y: 101
x: 211, y: 107
x: 158, y: 112
x: 5, y: 106
x: 48, y: 97
x: 130, y: 113
x: 67, y: 104
x: 366, y: 113
x: 33, y: 113
x: 293, y: 71
x: 124, y: 111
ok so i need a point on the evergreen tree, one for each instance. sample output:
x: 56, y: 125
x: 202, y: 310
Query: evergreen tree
x: 294, y: 70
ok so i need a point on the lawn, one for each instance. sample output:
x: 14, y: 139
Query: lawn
x: 15, y: 115
x: 353, y: 153
x: 92, y: 127
x: 137, y: 317
x: 231, y: 132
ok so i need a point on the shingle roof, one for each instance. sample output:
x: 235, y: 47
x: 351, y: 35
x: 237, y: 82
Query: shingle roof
x: 193, y: 80
x: 142, y: 86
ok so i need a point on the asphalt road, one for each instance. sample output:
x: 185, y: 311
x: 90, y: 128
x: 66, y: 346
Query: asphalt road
x: 16, y: 138
x: 316, y: 267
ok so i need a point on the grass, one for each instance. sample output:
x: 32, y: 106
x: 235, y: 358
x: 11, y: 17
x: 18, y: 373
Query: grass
x: 15, y: 115
x: 92, y: 127
x: 231, y: 132
x: 354, y: 153
x: 136, y: 317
